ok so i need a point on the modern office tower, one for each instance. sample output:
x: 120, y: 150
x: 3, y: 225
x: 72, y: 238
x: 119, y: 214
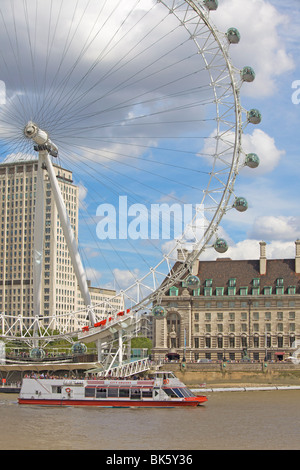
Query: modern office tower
x: 60, y: 292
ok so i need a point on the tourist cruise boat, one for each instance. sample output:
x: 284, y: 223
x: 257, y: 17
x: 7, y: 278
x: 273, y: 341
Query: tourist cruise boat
x: 164, y: 390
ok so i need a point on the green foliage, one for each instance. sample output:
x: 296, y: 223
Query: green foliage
x: 142, y: 342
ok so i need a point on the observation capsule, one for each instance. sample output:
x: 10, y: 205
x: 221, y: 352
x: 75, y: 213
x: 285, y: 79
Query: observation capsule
x: 191, y: 281
x: 247, y: 74
x: 37, y: 353
x: 211, y: 4
x: 240, y: 204
x: 252, y: 160
x: 79, y: 348
x: 221, y: 245
x: 159, y: 311
x: 254, y: 116
x: 233, y: 36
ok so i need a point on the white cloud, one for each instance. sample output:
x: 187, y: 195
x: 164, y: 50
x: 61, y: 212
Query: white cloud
x: 258, y: 142
x: 279, y: 232
x: 261, y: 46
x: 266, y: 197
x: 125, y: 278
x: 264, y: 146
x: 93, y: 275
x: 276, y: 228
x: 250, y: 249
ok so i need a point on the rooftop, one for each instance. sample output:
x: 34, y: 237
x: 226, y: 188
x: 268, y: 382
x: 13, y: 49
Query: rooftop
x: 280, y: 276
x: 244, y: 271
x: 19, y: 157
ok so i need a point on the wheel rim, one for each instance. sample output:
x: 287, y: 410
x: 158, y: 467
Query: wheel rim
x: 72, y: 101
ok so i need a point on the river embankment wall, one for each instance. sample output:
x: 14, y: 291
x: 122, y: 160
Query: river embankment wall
x: 221, y: 374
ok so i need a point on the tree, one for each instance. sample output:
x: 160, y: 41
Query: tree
x: 141, y: 342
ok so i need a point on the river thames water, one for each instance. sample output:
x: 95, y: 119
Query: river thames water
x: 252, y: 420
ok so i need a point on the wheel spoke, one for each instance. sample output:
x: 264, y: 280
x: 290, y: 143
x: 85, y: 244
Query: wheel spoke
x: 142, y: 101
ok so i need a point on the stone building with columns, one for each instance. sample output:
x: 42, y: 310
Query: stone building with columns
x: 232, y: 310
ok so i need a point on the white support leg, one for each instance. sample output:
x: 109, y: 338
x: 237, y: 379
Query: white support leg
x: 69, y: 236
x: 46, y: 146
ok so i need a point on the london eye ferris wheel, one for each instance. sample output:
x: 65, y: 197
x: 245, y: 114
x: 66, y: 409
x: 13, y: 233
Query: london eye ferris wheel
x: 138, y: 98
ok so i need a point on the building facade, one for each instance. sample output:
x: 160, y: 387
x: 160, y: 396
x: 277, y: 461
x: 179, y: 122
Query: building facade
x: 232, y: 310
x: 60, y: 292
x: 104, y: 301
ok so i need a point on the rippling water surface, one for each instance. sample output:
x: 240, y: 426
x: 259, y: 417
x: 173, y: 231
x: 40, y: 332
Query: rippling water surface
x: 229, y: 420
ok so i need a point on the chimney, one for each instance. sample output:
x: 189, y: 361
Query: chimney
x: 182, y: 255
x: 297, y: 258
x: 262, y: 258
x: 195, y: 267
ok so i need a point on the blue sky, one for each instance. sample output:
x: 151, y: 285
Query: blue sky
x: 270, y: 43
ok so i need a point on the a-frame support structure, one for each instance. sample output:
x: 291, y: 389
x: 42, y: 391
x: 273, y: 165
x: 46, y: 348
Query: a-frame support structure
x: 45, y: 148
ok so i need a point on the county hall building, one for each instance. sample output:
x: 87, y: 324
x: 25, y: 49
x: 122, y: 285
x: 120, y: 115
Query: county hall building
x: 232, y: 310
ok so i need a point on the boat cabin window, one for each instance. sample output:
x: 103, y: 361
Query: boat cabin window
x: 135, y: 393
x: 113, y: 392
x: 170, y: 392
x: 124, y: 393
x: 184, y: 392
x: 178, y: 392
x: 56, y: 389
x: 89, y: 392
x: 101, y: 393
x: 147, y: 393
